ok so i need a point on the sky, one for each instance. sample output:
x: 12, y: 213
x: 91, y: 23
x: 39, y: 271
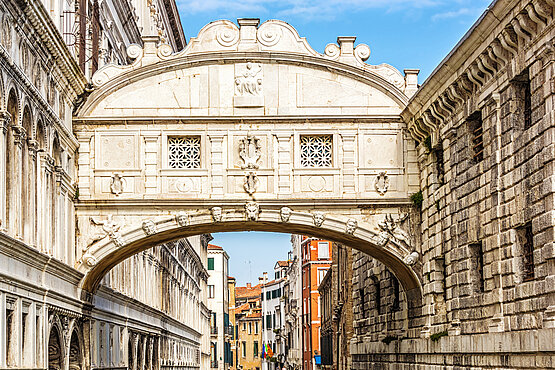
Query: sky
x: 251, y: 253
x: 404, y: 33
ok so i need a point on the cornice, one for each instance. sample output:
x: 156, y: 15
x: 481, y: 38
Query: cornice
x: 49, y: 34
x: 494, y: 45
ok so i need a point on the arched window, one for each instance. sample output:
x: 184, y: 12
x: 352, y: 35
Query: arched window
x: 75, y: 355
x: 55, y: 353
x: 11, y: 182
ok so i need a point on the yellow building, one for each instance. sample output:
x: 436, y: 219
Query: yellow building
x: 232, y: 324
x: 248, y: 318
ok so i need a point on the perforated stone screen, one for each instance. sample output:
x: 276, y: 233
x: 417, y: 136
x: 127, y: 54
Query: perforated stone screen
x: 316, y: 150
x: 184, y: 152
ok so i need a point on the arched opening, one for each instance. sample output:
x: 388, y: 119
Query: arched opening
x: 130, y: 353
x: 12, y: 218
x: 75, y: 354
x: 55, y: 350
x: 54, y: 206
x: 27, y: 171
x: 40, y: 186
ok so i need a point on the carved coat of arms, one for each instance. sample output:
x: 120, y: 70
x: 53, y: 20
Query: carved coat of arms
x: 249, y: 151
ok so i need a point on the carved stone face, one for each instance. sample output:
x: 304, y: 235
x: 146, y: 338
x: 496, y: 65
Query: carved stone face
x: 149, y: 227
x: 285, y: 214
x: 216, y: 213
x: 351, y: 226
x: 252, y: 210
x: 318, y: 218
x: 182, y: 219
x: 412, y: 258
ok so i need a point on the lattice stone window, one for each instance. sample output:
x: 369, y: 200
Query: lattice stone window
x: 184, y: 152
x: 316, y: 150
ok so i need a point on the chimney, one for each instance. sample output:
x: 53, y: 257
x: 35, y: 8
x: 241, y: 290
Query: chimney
x: 249, y: 285
x: 265, y: 274
x: 411, y: 81
x: 260, y: 280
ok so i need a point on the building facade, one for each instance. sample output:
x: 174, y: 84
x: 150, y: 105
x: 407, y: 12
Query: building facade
x: 336, y: 302
x: 316, y: 261
x: 248, y: 316
x: 218, y: 303
x: 293, y: 306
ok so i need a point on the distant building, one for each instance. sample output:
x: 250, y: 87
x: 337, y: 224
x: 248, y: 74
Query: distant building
x: 232, y: 323
x: 316, y: 260
x: 273, y: 312
x: 218, y: 303
x: 336, y: 297
x: 248, y: 318
x: 292, y: 292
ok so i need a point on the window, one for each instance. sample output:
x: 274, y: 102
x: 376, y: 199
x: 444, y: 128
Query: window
x: 244, y: 326
x: 477, y: 134
x: 523, y: 90
x: 255, y: 348
x: 526, y: 241
x: 323, y: 250
x: 277, y: 275
x: 396, y: 293
x: 321, y: 275
x: 210, y: 291
x: 316, y: 150
x: 440, y: 164
x: 184, y: 152
x: 244, y: 349
x: 211, y: 264
x: 268, y: 321
x: 477, y: 266
x: 268, y: 295
x: 256, y: 327
x: 250, y: 327
x: 378, y: 295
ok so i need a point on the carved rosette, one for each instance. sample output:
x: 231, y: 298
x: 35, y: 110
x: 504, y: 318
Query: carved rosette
x: 381, y: 183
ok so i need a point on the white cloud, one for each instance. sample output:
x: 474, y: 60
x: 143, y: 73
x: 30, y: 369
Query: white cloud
x: 457, y: 13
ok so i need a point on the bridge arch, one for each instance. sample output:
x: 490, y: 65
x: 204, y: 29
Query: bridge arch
x: 250, y: 98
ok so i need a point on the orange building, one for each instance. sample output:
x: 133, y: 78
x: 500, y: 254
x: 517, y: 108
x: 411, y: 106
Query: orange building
x: 316, y: 260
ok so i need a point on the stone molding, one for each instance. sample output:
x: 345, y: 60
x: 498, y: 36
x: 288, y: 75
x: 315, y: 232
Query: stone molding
x: 445, y: 92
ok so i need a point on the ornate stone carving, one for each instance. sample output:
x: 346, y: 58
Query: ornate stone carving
x: 149, y: 227
x: 252, y: 210
x: 216, y: 214
x: 117, y: 184
x: 251, y: 183
x: 227, y: 36
x: 351, y: 226
x: 332, y: 51
x: 110, y: 228
x: 268, y: 34
x: 381, y: 183
x: 249, y: 151
x: 412, y: 258
x: 392, y: 228
x: 182, y: 219
x: 285, y: 214
x: 249, y: 83
x: 89, y: 260
x: 318, y: 218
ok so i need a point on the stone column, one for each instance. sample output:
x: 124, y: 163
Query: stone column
x: 29, y: 231
x: 2, y: 328
x: 349, y: 162
x: 284, y: 167
x: 15, y: 190
x: 217, y: 163
x: 4, y: 124
x: 59, y: 239
x: 151, y: 162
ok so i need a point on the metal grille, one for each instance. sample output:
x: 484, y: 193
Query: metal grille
x: 184, y: 152
x: 528, y: 253
x: 316, y: 151
x: 478, y: 141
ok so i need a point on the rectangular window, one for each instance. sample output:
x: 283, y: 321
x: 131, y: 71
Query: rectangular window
x: 244, y: 326
x: 526, y: 241
x: 210, y: 291
x: 268, y: 295
x: 321, y: 275
x: 477, y: 134
x: 477, y: 266
x: 323, y: 250
x: 211, y: 264
x: 524, y: 92
x: 184, y: 152
x: 316, y: 150
x: 268, y: 321
x: 250, y: 327
x: 256, y: 327
x: 255, y: 348
x: 244, y: 349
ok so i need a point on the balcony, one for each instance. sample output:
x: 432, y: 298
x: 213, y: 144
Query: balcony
x: 228, y: 330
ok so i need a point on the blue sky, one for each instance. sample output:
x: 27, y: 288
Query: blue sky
x: 403, y: 33
x: 251, y: 253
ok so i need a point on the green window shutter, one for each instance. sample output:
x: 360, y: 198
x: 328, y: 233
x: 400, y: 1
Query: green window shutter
x: 211, y: 264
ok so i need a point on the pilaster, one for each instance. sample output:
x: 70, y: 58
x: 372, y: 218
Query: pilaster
x: 151, y: 162
x: 285, y: 160
x: 349, y: 162
x: 217, y: 162
x: 84, y: 162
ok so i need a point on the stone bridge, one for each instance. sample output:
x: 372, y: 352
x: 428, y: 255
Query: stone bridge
x: 247, y: 128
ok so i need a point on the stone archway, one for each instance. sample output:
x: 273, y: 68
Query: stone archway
x: 75, y: 352
x: 252, y: 122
